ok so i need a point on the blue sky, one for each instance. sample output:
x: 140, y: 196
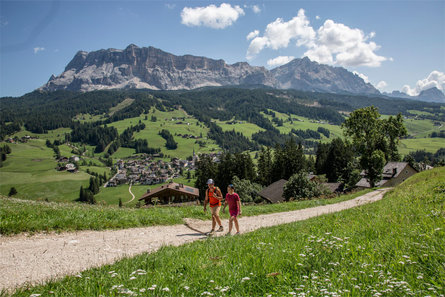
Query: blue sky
x: 394, y: 44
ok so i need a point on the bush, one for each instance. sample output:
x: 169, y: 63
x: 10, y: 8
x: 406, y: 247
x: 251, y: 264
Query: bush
x: 299, y: 187
x: 246, y: 189
x: 12, y: 192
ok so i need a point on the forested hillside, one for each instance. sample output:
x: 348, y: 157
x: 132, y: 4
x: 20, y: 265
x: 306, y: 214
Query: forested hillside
x: 40, y: 112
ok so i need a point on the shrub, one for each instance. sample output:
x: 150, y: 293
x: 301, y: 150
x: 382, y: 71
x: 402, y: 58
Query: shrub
x: 12, y: 192
x: 246, y: 189
x: 299, y: 187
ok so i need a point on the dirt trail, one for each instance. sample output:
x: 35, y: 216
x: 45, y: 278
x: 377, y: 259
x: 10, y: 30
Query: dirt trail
x: 131, y: 193
x: 35, y: 259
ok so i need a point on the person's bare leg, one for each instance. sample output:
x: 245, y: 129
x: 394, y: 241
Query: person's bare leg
x: 218, y: 220
x: 230, y: 224
x: 236, y: 224
x: 213, y: 222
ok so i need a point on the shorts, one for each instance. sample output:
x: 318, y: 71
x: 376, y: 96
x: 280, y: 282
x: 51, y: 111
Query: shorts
x: 234, y: 213
x: 215, y: 210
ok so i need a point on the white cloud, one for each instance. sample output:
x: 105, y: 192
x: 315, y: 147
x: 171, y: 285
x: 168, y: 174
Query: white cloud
x: 211, y: 16
x: 38, y: 49
x: 317, y: 17
x: 434, y: 79
x: 381, y: 85
x: 252, y: 34
x: 332, y: 43
x: 256, y: 9
x: 347, y: 46
x: 279, y: 33
x: 170, y: 5
x: 281, y: 60
x: 362, y: 76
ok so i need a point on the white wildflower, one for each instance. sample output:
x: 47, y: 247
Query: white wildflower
x: 35, y: 295
x: 166, y: 289
x: 186, y: 288
x: 245, y: 279
x: 206, y: 293
x: 142, y: 290
x: 420, y: 277
x: 225, y: 289
x: 302, y: 255
x: 212, y: 281
x: 133, y: 277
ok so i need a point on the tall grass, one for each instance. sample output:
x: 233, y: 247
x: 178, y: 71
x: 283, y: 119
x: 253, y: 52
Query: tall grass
x: 393, y: 247
x: 18, y: 216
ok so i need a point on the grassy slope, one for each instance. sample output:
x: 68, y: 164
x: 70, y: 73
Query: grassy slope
x: 393, y: 247
x: 185, y: 146
x: 246, y: 128
x: 336, y: 131
x: 30, y: 168
x: 25, y: 216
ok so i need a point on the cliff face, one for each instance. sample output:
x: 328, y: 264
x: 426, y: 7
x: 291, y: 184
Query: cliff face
x: 151, y: 68
x: 303, y: 74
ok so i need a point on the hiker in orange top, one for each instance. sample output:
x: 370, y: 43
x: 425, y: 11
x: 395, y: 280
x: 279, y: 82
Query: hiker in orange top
x: 214, y: 197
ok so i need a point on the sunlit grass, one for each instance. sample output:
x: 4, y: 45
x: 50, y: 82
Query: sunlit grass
x: 18, y: 216
x: 393, y: 247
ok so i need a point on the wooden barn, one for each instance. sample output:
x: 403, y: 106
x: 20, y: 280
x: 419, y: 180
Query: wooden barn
x: 171, y: 193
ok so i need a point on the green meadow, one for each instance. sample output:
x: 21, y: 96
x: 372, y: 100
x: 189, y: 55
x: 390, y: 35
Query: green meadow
x: 393, y: 247
x: 51, y: 135
x: 304, y: 124
x: 31, y: 169
x: 164, y: 120
x: 246, y: 128
x: 17, y: 216
x: 428, y: 144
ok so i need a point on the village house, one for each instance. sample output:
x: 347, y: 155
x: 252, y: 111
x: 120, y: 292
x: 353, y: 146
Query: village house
x: 394, y: 173
x: 274, y: 192
x: 71, y: 168
x: 171, y: 193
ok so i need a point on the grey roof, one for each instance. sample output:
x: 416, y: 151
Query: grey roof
x: 333, y: 187
x: 274, y: 192
x: 391, y: 170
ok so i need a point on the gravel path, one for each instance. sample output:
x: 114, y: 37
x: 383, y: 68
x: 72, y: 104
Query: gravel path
x: 35, y: 259
x: 131, y: 193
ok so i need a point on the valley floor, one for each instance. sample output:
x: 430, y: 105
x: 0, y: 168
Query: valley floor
x: 38, y: 258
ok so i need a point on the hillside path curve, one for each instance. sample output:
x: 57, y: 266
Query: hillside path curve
x: 38, y: 258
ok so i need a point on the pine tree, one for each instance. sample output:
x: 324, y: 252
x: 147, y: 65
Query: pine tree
x: 82, y: 195
x: 265, y: 167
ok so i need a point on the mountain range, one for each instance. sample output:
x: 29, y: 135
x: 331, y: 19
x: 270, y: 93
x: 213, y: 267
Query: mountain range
x: 151, y: 68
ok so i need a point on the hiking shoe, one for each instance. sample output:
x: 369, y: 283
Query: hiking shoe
x: 228, y: 234
x: 237, y: 233
x: 221, y: 229
x: 211, y: 231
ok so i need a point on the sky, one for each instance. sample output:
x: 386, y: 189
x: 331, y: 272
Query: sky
x: 395, y: 45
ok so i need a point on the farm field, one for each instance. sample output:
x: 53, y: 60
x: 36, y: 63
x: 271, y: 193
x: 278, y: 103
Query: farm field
x: 19, y: 216
x: 392, y: 247
x: 30, y: 168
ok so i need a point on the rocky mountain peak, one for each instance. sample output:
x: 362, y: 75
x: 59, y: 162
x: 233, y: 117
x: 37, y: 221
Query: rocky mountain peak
x: 152, y: 68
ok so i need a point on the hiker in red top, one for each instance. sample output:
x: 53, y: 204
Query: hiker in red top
x: 233, y: 200
x: 214, y: 197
